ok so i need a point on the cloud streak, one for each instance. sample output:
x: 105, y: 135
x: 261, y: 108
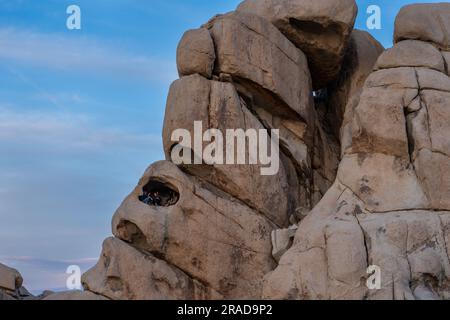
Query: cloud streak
x: 45, y: 274
x: 81, y: 55
x: 68, y: 130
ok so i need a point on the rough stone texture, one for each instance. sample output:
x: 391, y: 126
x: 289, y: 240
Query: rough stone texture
x: 412, y: 53
x: 209, y: 235
x: 10, y: 279
x: 425, y: 22
x: 345, y: 92
x: 153, y: 279
x: 339, y: 240
x: 320, y: 28
x: 333, y: 130
x: 252, y: 51
x: 282, y: 241
x: 414, y: 104
x: 218, y: 106
x: 11, y: 285
x: 195, y: 53
x: 389, y: 205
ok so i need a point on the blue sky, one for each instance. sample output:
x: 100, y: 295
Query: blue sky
x: 81, y: 115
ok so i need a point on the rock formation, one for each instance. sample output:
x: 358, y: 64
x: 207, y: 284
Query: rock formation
x: 11, y: 285
x: 389, y: 205
x: 364, y: 174
x: 321, y: 29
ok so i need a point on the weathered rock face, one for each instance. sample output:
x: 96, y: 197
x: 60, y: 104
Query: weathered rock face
x: 364, y: 173
x: 195, y: 53
x: 11, y: 285
x: 218, y: 106
x: 335, y: 113
x: 266, y: 67
x: 253, y: 90
x: 389, y: 205
x: 340, y: 239
x: 153, y: 279
x: 412, y: 53
x: 216, y: 240
x: 345, y: 92
x: 425, y: 22
x: 10, y: 279
x: 320, y: 28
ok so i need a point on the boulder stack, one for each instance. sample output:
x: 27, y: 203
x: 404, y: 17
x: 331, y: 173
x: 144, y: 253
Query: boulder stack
x: 389, y: 206
x: 364, y: 174
x: 11, y: 285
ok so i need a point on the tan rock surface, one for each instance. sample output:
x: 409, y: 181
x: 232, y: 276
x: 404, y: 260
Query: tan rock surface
x: 218, y: 106
x: 412, y: 53
x: 387, y: 207
x: 335, y: 245
x: 195, y: 53
x: 207, y: 234
x: 268, y: 68
x: 11, y: 285
x: 345, y: 92
x: 124, y: 273
x: 320, y: 28
x: 426, y: 22
x: 10, y: 279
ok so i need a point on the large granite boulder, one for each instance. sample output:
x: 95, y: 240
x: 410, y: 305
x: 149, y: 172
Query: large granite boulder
x: 11, y: 285
x: 265, y: 66
x: 10, y: 279
x: 195, y: 53
x: 428, y: 22
x: 152, y: 278
x: 320, y: 28
x: 209, y: 235
x: 389, y: 206
x: 217, y: 105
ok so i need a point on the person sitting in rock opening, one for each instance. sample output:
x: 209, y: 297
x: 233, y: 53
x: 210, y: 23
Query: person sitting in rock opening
x: 151, y: 198
x: 147, y: 199
x: 156, y: 198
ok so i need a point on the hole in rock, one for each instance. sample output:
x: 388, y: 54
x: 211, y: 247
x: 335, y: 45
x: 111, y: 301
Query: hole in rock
x: 130, y: 232
x: 160, y: 194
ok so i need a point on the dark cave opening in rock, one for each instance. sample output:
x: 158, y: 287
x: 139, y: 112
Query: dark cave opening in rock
x: 159, y: 194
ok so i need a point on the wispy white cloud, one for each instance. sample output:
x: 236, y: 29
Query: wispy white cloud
x: 82, y: 55
x: 45, y: 274
x: 71, y: 130
x: 29, y: 259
